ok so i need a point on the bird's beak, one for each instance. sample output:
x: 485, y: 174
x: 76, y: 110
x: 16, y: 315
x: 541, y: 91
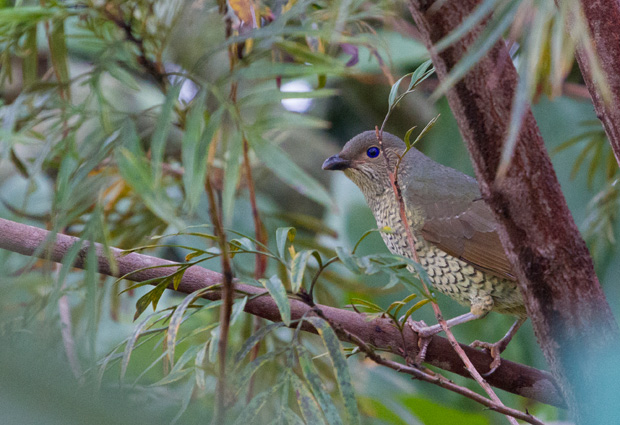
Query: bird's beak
x: 336, y: 163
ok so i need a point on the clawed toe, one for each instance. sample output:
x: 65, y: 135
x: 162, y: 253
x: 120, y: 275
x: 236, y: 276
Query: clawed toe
x: 424, y: 334
x: 495, y: 350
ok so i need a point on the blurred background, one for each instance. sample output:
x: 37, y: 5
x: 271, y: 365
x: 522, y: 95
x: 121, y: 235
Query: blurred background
x: 112, y: 115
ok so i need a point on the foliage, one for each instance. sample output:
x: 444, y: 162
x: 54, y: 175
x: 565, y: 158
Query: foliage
x: 113, y: 115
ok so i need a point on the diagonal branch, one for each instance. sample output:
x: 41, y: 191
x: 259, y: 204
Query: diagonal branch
x: 380, y: 333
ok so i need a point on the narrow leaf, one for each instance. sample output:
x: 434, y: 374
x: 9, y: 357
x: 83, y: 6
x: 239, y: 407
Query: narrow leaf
x: 408, y: 136
x: 341, y: 369
x: 177, y: 318
x: 281, y: 164
x: 394, y: 90
x: 347, y: 259
x: 251, y: 410
x: 284, y: 234
x: 478, y: 14
x: 162, y: 128
x: 314, y: 381
x: 278, y: 293
x: 191, y: 146
x: 254, y: 339
x: 298, y: 267
x: 426, y: 129
x: 231, y: 177
x: 310, y: 409
x: 415, y: 307
x: 421, y: 73
x: 368, y: 304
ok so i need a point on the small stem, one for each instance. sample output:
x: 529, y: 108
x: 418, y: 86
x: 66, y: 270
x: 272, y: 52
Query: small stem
x: 226, y: 308
x: 431, y: 377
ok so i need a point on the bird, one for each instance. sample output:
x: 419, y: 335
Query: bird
x: 454, y: 230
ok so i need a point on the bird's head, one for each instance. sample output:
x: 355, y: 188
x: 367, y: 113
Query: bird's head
x: 363, y: 161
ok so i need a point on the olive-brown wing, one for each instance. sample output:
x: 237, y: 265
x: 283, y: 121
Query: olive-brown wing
x: 467, y: 230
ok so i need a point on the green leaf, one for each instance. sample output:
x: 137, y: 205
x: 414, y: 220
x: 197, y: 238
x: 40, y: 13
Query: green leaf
x: 162, y: 128
x: 136, y: 173
x: 151, y: 297
x: 284, y: 234
x: 415, y: 307
x: 215, y: 340
x: 267, y: 97
x: 502, y: 19
x: 131, y: 342
x: 298, y: 267
x: 341, y: 369
x: 59, y: 54
x: 525, y: 86
x: 251, y: 410
x: 400, y: 304
x: 394, y: 90
x: 237, y: 310
x: 278, y: 293
x: 179, y: 371
x: 372, y: 306
x: 281, y: 164
x: 177, y: 319
x: 194, y: 150
x: 199, y: 367
x: 31, y: 58
x: 29, y: 15
x: 476, y: 16
x: 426, y: 129
x: 190, y: 147
x: 254, y: 339
x: 310, y: 409
x: 290, y: 417
x: 347, y: 259
x: 421, y: 73
x: 241, y: 380
x: 231, y: 176
x: 408, y: 136
x: 314, y: 381
x: 118, y: 73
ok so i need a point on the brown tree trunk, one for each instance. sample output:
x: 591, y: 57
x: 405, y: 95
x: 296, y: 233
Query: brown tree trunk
x: 572, y: 320
x: 603, y: 20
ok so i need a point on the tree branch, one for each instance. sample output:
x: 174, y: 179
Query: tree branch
x: 570, y: 314
x: 381, y: 333
x: 602, y: 18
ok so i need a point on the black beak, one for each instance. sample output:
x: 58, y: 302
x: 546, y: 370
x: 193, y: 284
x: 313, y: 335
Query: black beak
x: 336, y: 163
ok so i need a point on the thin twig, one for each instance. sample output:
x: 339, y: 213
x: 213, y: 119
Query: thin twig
x: 260, y: 264
x: 153, y: 68
x: 226, y: 308
x: 66, y: 330
x: 432, y: 378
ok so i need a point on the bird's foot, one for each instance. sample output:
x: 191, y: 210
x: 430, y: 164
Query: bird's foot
x: 495, y: 350
x: 424, y: 333
x: 498, y: 348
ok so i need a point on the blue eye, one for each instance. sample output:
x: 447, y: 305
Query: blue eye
x: 373, y: 152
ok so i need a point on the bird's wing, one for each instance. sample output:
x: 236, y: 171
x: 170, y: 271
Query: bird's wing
x: 467, y: 230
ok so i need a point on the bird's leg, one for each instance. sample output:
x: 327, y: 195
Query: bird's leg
x: 497, y: 348
x: 425, y: 332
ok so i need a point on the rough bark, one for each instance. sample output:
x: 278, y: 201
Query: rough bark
x: 512, y: 377
x: 571, y: 317
x: 603, y: 18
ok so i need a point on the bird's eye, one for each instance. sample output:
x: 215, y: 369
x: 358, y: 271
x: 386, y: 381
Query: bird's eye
x: 373, y: 152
